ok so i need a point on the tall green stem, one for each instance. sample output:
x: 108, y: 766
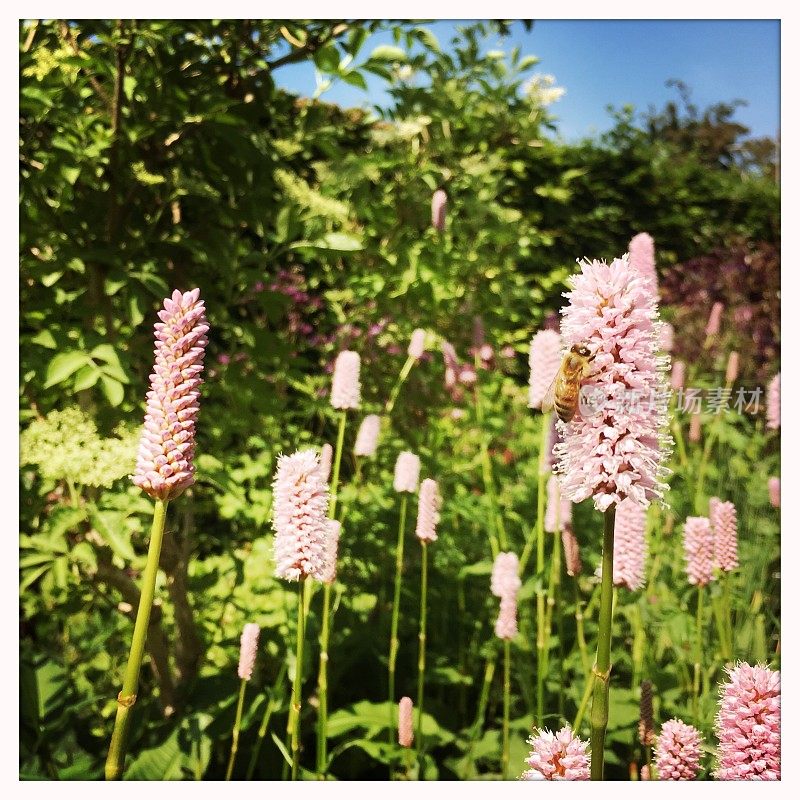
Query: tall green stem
x: 506, y: 704
x: 271, y: 707
x: 324, y: 636
x: 602, y: 664
x: 297, y: 684
x: 393, y: 641
x: 477, y: 726
x: 698, y: 655
x: 236, y: 727
x: 115, y: 762
x: 401, y: 379
x: 423, y: 615
x: 538, y: 530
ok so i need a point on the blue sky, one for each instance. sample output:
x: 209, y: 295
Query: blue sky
x: 602, y: 62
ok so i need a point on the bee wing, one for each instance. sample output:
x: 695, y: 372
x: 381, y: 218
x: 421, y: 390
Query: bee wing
x: 548, y: 402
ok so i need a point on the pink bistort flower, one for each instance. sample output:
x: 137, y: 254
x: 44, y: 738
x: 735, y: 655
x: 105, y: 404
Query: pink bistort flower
x: 630, y: 545
x: 165, y: 461
x: 698, y: 546
x: 300, y: 516
x: 558, y: 756
x: 714, y: 319
x: 677, y: 754
x: 642, y: 250
x: 732, y: 367
x: 438, y: 209
x: 666, y: 337
x: 544, y: 360
x: 748, y: 725
x: 325, y: 461
x: 367, y: 437
x: 506, y: 625
x: 723, y: 522
x: 678, y: 375
x: 615, y: 447
x: 774, y: 403
x: 428, y: 512
x: 572, y: 553
x: 505, y: 575
x: 558, y: 514
x: 406, y: 472
x: 248, y: 648
x: 695, y: 427
x: 331, y: 551
x: 346, y: 386
x: 416, y: 347
x: 774, y: 485
x: 405, y: 722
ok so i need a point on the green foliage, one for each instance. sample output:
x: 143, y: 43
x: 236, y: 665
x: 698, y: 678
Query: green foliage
x: 160, y: 154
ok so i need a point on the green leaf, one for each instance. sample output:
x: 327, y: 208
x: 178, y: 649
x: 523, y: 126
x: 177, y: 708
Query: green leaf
x: 86, y: 377
x: 112, y: 389
x: 388, y: 52
x: 326, y: 59
x: 527, y: 62
x: 338, y: 241
x: 111, y: 526
x: 355, y: 78
x: 282, y: 747
x: 63, y: 365
x: 44, y: 339
x: 426, y: 36
x: 162, y: 763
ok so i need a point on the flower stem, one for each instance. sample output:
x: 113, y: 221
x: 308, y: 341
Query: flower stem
x: 115, y: 762
x: 506, y: 704
x: 477, y: 726
x: 324, y: 636
x: 698, y: 655
x: 602, y: 664
x: 272, y: 706
x: 236, y: 727
x: 393, y: 641
x: 297, y: 684
x: 401, y: 379
x: 423, y: 613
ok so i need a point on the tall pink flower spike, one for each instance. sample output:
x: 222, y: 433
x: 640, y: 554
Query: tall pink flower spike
x: 405, y: 722
x: 678, y: 750
x: 325, y: 461
x: 558, y: 514
x: 714, y: 319
x: 331, y: 551
x: 748, y: 725
x: 346, y: 386
x: 428, y: 513
x: 666, y: 337
x: 572, y: 553
x: 300, y: 517
x: 698, y: 545
x: 248, y: 650
x: 367, y: 437
x: 630, y: 545
x: 616, y: 446
x: 416, y: 347
x: 723, y: 521
x: 774, y: 403
x: 406, y: 472
x: 774, y: 486
x: 678, y: 375
x: 438, y: 209
x: 164, y: 463
x: 505, y: 575
x: 505, y: 626
x: 732, y: 367
x: 558, y: 756
x: 642, y: 250
x: 695, y: 427
x: 544, y: 359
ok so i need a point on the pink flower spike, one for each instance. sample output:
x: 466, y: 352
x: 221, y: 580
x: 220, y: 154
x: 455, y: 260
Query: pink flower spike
x: 642, y: 255
x: 438, y: 209
x: 328, y: 571
x: 678, y: 375
x: 774, y: 485
x: 616, y: 446
x: 506, y: 625
x: 695, y: 427
x: 247, y: 650
x: 748, y: 725
x: 732, y: 368
x: 405, y: 722
x: 505, y: 575
x: 544, y: 360
x: 165, y: 461
x: 714, y: 319
x: 325, y: 460
x: 572, y: 553
x: 630, y: 545
x: 367, y: 438
x: 666, y: 337
x: 774, y: 403
x: 428, y: 513
x: 346, y: 387
x: 406, y: 472
x: 558, y: 514
x: 416, y: 347
x: 677, y: 754
x: 558, y: 756
x: 698, y: 545
x: 723, y: 521
x: 300, y: 516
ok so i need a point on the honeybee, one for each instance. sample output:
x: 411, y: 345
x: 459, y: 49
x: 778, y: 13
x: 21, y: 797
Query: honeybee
x: 564, y: 391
